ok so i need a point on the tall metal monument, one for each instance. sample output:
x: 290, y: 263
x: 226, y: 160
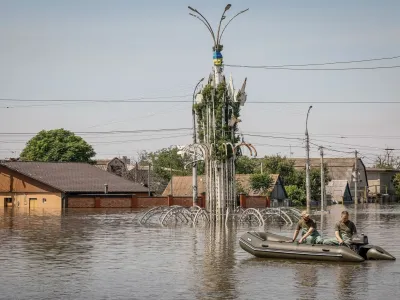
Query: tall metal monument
x: 216, y: 107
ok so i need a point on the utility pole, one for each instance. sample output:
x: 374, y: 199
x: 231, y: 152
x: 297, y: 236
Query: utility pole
x: 356, y: 178
x: 194, y: 167
x: 322, y: 179
x: 308, y: 189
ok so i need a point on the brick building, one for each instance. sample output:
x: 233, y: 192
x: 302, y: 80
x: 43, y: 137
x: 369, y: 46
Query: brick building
x: 62, y: 185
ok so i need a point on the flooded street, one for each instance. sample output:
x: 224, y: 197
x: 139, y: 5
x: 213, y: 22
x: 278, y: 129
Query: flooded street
x: 103, y: 254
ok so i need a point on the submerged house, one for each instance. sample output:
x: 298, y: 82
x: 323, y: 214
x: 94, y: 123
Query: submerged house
x: 340, y: 169
x: 61, y: 185
x: 338, y: 191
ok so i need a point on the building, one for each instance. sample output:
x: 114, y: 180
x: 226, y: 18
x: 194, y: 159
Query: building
x: 183, y: 186
x: 62, y: 185
x: 338, y: 191
x: 340, y: 169
x: 380, y: 181
x: 117, y: 166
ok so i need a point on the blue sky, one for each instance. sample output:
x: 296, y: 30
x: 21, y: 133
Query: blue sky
x: 129, y: 49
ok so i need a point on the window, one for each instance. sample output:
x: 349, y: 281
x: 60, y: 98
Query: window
x: 8, y: 200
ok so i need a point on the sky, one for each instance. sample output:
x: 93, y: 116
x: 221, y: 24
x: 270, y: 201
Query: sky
x: 117, y: 50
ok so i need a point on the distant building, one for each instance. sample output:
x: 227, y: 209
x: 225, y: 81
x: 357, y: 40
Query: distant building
x: 183, y: 186
x: 380, y: 181
x: 62, y: 185
x: 338, y: 191
x: 340, y: 169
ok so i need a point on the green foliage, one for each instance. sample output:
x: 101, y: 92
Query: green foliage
x: 225, y: 110
x: 396, y: 183
x: 282, y: 166
x: 296, y: 194
x: 167, y: 162
x: 58, y: 145
x: 245, y: 165
x: 260, y: 183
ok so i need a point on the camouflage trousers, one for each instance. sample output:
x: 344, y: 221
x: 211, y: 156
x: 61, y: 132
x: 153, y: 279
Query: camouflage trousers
x: 334, y: 242
x: 314, y: 238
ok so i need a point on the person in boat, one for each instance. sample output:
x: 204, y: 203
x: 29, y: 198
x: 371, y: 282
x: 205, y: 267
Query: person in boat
x: 344, y: 231
x: 310, y: 235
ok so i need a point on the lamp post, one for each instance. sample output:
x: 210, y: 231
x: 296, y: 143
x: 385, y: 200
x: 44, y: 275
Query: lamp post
x: 308, y: 191
x: 217, y: 48
x: 194, y: 168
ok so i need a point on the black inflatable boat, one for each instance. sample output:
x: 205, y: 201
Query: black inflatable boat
x: 269, y: 245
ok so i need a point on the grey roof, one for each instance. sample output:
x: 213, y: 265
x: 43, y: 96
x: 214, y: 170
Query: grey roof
x: 75, y: 177
x: 339, y: 168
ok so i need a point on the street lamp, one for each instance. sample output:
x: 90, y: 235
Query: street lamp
x: 308, y: 191
x: 216, y: 38
x: 194, y: 168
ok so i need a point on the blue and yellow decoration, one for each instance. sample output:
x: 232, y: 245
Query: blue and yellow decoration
x: 217, y: 58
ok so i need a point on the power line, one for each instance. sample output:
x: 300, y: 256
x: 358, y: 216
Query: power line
x: 328, y: 63
x: 315, y: 69
x: 104, y: 132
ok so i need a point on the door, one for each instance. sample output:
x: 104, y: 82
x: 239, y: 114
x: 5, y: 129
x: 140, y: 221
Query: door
x: 32, y: 203
x: 7, y: 202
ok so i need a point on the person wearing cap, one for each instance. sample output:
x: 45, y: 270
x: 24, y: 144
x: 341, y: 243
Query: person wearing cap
x: 344, y: 231
x: 310, y: 235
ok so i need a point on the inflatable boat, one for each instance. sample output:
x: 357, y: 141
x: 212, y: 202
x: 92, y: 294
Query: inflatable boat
x: 269, y: 245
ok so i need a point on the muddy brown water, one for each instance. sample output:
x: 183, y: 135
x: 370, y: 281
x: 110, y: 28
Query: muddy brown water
x: 103, y: 254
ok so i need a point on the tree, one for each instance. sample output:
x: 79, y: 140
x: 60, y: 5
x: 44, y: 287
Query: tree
x: 387, y: 161
x: 168, y: 162
x: 57, y: 145
x: 245, y: 165
x: 296, y: 194
x: 260, y: 183
x: 396, y: 183
x: 282, y: 166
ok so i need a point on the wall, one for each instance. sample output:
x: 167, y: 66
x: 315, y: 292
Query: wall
x: 53, y: 200
x: 11, y: 181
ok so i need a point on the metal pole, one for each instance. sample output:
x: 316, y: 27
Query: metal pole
x: 308, y: 189
x: 322, y: 179
x: 356, y: 178
x: 194, y: 167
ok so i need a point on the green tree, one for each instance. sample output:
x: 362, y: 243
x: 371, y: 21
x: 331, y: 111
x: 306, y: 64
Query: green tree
x: 168, y: 162
x: 245, y: 165
x: 57, y: 145
x: 281, y: 165
x: 260, y: 183
x: 296, y: 194
x: 396, y: 183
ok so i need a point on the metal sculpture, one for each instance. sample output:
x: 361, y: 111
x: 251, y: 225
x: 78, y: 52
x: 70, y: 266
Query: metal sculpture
x: 217, y: 109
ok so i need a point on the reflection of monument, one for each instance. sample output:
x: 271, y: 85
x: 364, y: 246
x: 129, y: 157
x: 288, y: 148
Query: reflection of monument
x: 217, y: 274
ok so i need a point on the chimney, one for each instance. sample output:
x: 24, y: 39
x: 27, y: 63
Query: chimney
x: 105, y: 188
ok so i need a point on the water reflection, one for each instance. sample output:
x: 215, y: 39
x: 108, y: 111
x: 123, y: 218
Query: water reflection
x: 218, y: 278
x: 102, y: 254
x: 306, y: 276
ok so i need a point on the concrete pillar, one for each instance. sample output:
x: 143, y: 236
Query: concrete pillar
x: 242, y: 198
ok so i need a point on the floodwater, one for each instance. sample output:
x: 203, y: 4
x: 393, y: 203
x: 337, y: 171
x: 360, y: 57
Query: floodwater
x: 103, y: 254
